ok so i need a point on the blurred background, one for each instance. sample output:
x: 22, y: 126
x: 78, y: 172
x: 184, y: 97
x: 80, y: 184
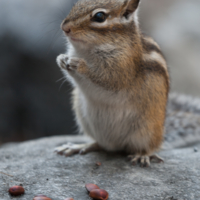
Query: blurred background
x: 34, y: 97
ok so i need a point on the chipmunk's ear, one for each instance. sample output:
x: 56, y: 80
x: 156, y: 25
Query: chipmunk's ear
x: 130, y: 6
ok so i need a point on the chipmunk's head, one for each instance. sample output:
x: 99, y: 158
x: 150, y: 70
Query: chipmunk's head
x: 95, y: 22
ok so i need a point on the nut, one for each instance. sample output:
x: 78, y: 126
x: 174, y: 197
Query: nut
x: 89, y: 187
x: 98, y: 164
x: 41, y: 197
x: 16, y: 190
x: 99, y: 194
x: 69, y: 199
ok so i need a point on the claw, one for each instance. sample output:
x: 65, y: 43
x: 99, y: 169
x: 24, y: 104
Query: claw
x: 82, y: 151
x: 135, y: 160
x: 156, y: 158
x: 144, y: 161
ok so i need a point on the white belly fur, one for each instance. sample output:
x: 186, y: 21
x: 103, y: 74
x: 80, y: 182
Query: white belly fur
x: 108, y: 123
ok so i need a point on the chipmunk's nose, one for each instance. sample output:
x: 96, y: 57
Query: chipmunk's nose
x: 66, y: 28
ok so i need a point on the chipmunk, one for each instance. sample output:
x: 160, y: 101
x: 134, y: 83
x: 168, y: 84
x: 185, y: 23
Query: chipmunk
x: 120, y: 80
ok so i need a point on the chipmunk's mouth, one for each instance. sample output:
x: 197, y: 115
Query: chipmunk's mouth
x: 76, y: 40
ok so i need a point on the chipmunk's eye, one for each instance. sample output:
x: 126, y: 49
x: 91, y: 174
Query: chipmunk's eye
x: 99, y: 17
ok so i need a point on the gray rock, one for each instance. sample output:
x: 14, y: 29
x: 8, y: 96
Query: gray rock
x: 34, y: 165
x: 182, y: 121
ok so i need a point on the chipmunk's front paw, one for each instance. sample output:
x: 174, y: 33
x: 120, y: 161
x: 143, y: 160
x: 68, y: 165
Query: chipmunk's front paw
x: 69, y: 64
x: 77, y: 64
x: 73, y: 63
x: 62, y: 60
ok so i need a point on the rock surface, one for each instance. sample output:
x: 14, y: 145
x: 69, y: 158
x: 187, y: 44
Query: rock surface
x: 34, y: 165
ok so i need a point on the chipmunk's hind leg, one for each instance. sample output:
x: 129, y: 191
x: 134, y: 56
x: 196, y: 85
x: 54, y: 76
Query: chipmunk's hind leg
x: 144, y: 161
x: 71, y: 149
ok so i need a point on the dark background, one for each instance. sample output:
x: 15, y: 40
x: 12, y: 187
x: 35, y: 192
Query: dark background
x: 35, y: 100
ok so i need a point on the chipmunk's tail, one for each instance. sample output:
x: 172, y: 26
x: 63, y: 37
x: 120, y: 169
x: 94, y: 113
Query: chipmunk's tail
x: 182, y: 121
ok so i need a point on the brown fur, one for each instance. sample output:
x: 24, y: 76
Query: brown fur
x: 119, y: 48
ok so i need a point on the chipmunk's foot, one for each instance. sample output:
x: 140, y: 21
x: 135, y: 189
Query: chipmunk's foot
x: 145, y: 161
x: 71, y: 149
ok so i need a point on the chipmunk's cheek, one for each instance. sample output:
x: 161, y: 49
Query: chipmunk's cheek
x: 78, y: 43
